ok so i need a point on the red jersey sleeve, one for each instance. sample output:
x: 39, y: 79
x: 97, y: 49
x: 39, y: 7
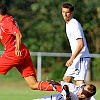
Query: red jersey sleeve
x: 11, y: 26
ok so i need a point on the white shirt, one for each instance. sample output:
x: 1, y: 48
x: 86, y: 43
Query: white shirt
x: 73, y: 92
x: 75, y: 31
x: 75, y: 89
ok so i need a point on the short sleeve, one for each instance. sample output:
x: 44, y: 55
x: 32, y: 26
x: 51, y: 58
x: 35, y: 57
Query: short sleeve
x: 11, y: 27
x: 77, y: 30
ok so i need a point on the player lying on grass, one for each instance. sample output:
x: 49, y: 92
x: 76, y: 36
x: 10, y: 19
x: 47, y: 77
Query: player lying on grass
x: 72, y: 92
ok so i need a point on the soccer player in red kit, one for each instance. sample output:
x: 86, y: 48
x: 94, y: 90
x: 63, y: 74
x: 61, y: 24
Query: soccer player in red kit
x: 16, y: 54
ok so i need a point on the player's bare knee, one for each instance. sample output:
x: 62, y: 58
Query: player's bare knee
x: 67, y: 79
x: 79, y: 82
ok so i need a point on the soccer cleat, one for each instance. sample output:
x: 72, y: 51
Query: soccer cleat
x: 53, y: 82
x: 65, y: 92
x: 56, y: 85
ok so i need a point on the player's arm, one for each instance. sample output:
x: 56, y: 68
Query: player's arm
x: 77, y: 51
x: 78, y: 48
x: 18, y: 44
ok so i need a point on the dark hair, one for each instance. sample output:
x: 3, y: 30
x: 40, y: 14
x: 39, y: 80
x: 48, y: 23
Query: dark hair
x: 91, y: 91
x: 68, y: 5
x: 3, y: 9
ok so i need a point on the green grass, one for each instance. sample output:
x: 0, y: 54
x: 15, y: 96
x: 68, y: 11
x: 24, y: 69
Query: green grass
x: 26, y: 94
x: 12, y: 89
x: 97, y: 96
x: 21, y: 91
x: 21, y: 94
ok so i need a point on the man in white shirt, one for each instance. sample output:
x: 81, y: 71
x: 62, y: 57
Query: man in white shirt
x: 72, y: 92
x: 77, y: 65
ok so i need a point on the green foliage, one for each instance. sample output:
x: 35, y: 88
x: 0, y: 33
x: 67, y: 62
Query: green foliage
x: 95, y: 69
x: 12, y: 75
x: 43, y: 27
x: 57, y: 72
x: 1, y: 47
x: 50, y: 35
x: 42, y: 24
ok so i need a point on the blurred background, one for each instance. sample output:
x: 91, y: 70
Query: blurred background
x: 43, y: 29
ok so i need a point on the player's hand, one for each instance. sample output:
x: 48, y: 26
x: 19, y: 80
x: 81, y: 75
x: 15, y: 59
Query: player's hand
x: 18, y: 53
x: 69, y: 63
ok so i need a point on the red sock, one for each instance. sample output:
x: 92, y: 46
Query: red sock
x: 58, y: 88
x: 43, y: 85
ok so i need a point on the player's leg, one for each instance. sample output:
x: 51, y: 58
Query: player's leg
x: 31, y: 81
x: 28, y: 73
x: 5, y: 64
x: 79, y: 82
x: 41, y: 85
x: 78, y: 71
x: 68, y: 76
x: 30, y: 77
x: 67, y: 79
x: 81, y: 71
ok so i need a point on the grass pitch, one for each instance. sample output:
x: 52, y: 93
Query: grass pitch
x: 27, y: 94
x: 21, y: 91
x: 21, y: 94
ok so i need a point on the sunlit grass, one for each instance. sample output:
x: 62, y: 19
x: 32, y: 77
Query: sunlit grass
x: 21, y: 91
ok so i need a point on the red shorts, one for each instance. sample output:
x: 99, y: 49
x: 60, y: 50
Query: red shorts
x: 23, y: 64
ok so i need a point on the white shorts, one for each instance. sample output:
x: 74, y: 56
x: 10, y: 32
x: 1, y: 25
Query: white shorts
x: 78, y: 69
x: 52, y: 97
x: 58, y: 97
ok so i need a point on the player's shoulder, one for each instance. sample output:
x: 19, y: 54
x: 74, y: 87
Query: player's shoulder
x: 75, y: 22
x: 7, y: 18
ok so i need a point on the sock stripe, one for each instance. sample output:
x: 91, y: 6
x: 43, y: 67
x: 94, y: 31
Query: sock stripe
x: 48, y: 87
x: 40, y: 85
x: 45, y: 86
